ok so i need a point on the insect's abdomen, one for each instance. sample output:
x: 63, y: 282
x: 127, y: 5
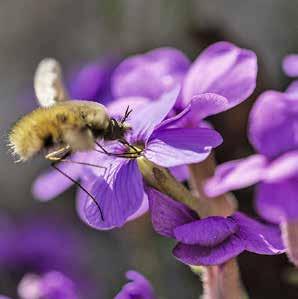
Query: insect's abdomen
x: 59, y: 125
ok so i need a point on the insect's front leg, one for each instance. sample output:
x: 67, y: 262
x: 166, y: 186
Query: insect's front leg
x: 59, y: 154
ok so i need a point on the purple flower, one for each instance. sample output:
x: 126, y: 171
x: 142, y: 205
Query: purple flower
x: 212, y: 240
x: 45, y: 248
x: 51, y: 285
x: 92, y: 82
x: 290, y: 65
x: 120, y: 190
x: 138, y: 288
x: 273, y: 132
x: 220, y: 78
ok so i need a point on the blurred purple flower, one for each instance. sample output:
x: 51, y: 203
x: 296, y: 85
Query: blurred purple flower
x: 220, y: 78
x: 212, y: 240
x: 119, y: 191
x: 290, y: 65
x: 92, y: 81
x: 51, y: 285
x: 138, y: 288
x: 273, y: 132
x: 40, y: 246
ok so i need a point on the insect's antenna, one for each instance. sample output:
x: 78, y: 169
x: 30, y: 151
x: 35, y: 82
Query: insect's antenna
x: 81, y: 187
x: 126, y: 114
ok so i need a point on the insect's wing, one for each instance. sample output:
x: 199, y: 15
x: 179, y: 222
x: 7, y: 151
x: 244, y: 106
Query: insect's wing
x: 48, y: 84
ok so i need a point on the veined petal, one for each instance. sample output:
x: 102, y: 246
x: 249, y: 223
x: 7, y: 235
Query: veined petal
x: 290, y: 65
x: 206, y: 256
x: 223, y: 69
x: 179, y: 146
x: 235, y: 175
x: 143, y: 121
x: 206, y: 232
x: 277, y: 202
x: 150, y: 74
x: 167, y: 214
x: 259, y: 238
x: 118, y: 107
x: 204, y: 105
x: 119, y: 194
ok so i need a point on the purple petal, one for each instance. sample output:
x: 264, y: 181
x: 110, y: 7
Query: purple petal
x: 118, y: 107
x: 274, y: 117
x: 205, y: 256
x: 174, y: 147
x: 93, y: 82
x: 277, y: 202
x: 223, y: 69
x: 151, y: 74
x: 138, y: 288
x: 235, y: 175
x: 293, y: 87
x: 259, y: 238
x: 119, y: 194
x: 204, y: 105
x: 167, y: 214
x: 52, y: 183
x: 181, y: 173
x: 290, y: 65
x: 206, y: 232
x: 143, y: 121
x: 284, y: 167
x: 4, y: 297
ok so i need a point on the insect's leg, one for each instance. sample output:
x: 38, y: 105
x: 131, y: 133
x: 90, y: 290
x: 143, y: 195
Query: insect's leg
x: 58, y: 154
x: 125, y: 142
x: 81, y: 187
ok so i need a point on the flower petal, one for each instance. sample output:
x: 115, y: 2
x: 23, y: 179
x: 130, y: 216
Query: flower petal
x: 118, y: 107
x: 52, y: 183
x: 138, y: 287
x: 167, y: 214
x: 277, y: 202
x: 235, y: 175
x: 293, y: 87
x: 93, y: 82
x: 179, y: 146
x: 206, y: 256
x: 274, y: 117
x: 223, y: 69
x: 206, y: 232
x: 290, y: 65
x: 259, y: 238
x: 151, y: 74
x: 143, y: 121
x: 119, y: 194
x: 284, y: 167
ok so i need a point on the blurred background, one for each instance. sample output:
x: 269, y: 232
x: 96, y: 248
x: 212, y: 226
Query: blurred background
x: 78, y: 32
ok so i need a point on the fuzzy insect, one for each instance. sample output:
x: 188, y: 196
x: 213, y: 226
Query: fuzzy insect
x: 61, y: 126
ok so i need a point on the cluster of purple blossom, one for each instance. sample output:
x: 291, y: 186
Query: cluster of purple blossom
x: 170, y: 97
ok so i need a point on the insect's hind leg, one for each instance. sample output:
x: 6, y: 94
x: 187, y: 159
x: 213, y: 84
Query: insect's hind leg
x: 59, y: 154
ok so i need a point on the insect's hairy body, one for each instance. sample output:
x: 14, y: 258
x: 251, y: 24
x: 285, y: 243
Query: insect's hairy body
x: 71, y: 123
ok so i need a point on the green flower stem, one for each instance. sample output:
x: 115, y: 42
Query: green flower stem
x: 162, y: 180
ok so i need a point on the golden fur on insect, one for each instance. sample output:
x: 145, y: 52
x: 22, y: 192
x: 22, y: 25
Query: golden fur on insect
x: 70, y: 123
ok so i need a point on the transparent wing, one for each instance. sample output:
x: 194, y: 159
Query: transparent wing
x: 48, y: 84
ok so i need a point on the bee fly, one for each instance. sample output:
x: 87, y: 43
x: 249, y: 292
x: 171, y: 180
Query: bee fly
x: 62, y: 126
